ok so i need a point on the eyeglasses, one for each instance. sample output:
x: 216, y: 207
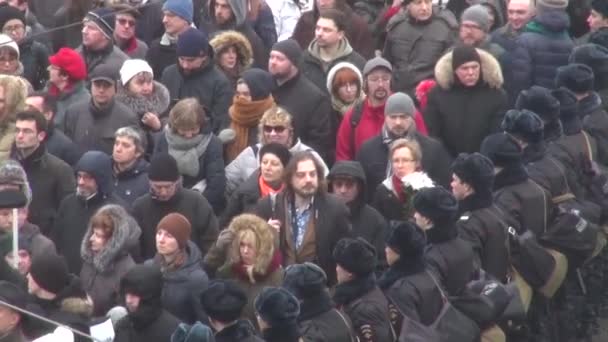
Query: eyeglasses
x: 125, y: 22
x: 277, y: 129
x: 14, y: 28
x: 385, y: 79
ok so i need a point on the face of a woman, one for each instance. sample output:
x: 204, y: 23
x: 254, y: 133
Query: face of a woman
x: 247, y: 249
x: 347, y: 92
x: 166, y: 244
x: 403, y: 162
x: 228, y: 58
x: 142, y: 84
x: 98, y: 240
x: 242, y: 91
x: 271, y: 168
x: 277, y: 134
x: 124, y: 150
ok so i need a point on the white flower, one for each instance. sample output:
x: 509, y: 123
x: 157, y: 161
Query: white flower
x: 417, y: 181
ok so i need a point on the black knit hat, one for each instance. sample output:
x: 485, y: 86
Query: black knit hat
x: 568, y: 104
x: 501, y: 149
x: 277, y: 306
x: 355, y: 256
x: 436, y: 204
x: 578, y: 78
x: 407, y: 239
x: 12, y: 294
x: 193, y: 43
x: 593, y: 55
x: 524, y: 125
x: 278, y: 150
x: 260, y: 83
x: 223, y: 300
x: 103, y: 19
x: 305, y: 280
x: 463, y: 54
x: 476, y: 170
x: 163, y: 168
x: 290, y: 48
x: 8, y: 12
x: 50, y: 272
x: 540, y: 101
x: 145, y: 281
x: 601, y: 7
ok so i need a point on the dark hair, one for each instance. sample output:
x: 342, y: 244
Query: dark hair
x: 336, y: 16
x: 49, y: 102
x: 126, y: 9
x: 292, y: 167
x: 34, y: 115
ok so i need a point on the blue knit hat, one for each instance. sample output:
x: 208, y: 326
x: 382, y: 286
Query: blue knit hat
x: 181, y: 8
x: 193, y: 43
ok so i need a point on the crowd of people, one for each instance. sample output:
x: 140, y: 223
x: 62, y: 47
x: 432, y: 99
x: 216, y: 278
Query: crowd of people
x: 282, y: 171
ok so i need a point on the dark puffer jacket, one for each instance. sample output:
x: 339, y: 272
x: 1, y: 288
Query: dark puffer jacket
x: 35, y: 59
x: 132, y: 183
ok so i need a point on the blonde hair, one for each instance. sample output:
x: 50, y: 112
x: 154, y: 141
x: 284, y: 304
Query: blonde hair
x: 187, y: 114
x: 275, y: 116
x: 410, y: 144
x: 15, y: 93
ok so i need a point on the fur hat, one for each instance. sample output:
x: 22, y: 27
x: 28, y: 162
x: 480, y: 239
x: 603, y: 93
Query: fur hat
x: 181, y: 8
x: 523, y: 124
x: 193, y: 43
x: 177, y: 225
x: 479, y: 15
x: 50, y: 272
x: 568, y: 104
x: 501, y: 149
x: 476, y: 170
x: 596, y: 57
x: 305, y: 280
x: 13, y: 295
x: 12, y: 173
x: 163, y: 168
x: 407, y: 239
x: 223, y: 300
x: 540, y: 101
x: 290, y: 48
x: 355, y: 255
x: 578, y: 78
x: 278, y: 150
x: 464, y: 54
x: 145, y: 281
x: 277, y: 306
x: 436, y: 204
x: 70, y: 62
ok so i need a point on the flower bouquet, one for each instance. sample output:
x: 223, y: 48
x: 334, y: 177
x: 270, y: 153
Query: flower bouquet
x: 411, y: 184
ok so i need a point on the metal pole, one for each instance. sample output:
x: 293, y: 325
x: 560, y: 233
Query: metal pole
x: 15, y: 238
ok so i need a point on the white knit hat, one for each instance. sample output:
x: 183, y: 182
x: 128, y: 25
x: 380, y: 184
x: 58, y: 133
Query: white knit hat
x: 9, y: 42
x: 132, y: 67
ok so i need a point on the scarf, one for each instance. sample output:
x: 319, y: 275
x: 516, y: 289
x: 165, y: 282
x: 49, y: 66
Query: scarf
x: 342, y: 107
x: 266, y: 189
x: 187, y: 151
x: 175, y: 261
x: 245, y: 115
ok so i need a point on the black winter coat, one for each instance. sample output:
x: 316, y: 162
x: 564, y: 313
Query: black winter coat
x: 319, y: 321
x: 133, y: 183
x: 243, y: 200
x: 35, y: 59
x: 595, y: 121
x: 240, y: 331
x: 149, y: 24
x: 161, y: 54
x: 59, y: 145
x: 159, y: 329
x: 386, y: 202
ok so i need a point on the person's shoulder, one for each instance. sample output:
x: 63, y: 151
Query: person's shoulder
x: 56, y: 164
x: 371, y: 145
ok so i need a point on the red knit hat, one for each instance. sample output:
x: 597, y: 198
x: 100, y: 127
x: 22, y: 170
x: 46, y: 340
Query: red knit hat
x: 177, y: 225
x: 71, y: 62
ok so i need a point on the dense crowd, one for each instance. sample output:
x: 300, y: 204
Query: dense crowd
x: 288, y: 171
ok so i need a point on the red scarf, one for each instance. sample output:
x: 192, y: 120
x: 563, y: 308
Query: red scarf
x: 266, y: 189
x: 398, y: 188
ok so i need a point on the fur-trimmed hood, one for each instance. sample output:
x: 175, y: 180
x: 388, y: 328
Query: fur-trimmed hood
x: 125, y: 236
x: 73, y: 299
x: 156, y: 103
x: 265, y: 236
x: 337, y: 104
x: 225, y: 39
x: 491, y: 72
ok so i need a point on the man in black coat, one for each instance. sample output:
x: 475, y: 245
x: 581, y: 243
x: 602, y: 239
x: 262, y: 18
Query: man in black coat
x: 141, y: 289
x: 399, y: 123
x: 308, y: 105
x: 195, y: 75
x: 167, y: 196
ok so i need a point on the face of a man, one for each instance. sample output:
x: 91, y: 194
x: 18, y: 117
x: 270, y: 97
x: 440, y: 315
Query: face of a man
x: 86, y: 186
x: 279, y: 65
x: 163, y: 191
x: 345, y: 188
x: 8, y: 320
x: 398, y: 123
x: 25, y: 261
x: 327, y: 33
x: 15, y: 29
x: 459, y: 189
x: 420, y: 10
x: 379, y: 84
x: 173, y: 24
x: 223, y: 12
x: 519, y: 13
x: 27, y: 136
x: 132, y: 302
x: 92, y: 37
x: 471, y: 34
x: 102, y: 92
x: 190, y: 65
x: 124, y: 26
x: 596, y: 21
x: 125, y: 150
x: 305, y: 181
x: 468, y: 73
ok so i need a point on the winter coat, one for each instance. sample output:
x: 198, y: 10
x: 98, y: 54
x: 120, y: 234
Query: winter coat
x: 51, y: 180
x: 161, y: 54
x: 93, y: 128
x: 316, y: 69
x: 319, y: 321
x: 182, y: 287
x: 221, y: 42
x: 240, y: 331
x: 461, y: 117
x: 77, y: 93
x: 210, y: 168
x: 286, y: 15
x: 370, y: 124
x: 413, y: 48
x: 209, y: 85
x: 132, y: 183
x: 543, y: 46
x: 190, y: 203
x: 101, y: 272
x: 35, y: 59
x: 267, y: 270
x: 242, y: 200
x: 595, y: 122
x: 149, y: 27
x: 110, y: 55
x: 339, y: 107
x: 159, y: 329
x: 373, y: 156
x: 59, y: 145
x: 331, y: 224
x: 386, y: 202
x: 263, y: 24
x: 45, y: 9
x: 248, y: 161
x: 40, y: 244
x: 68, y: 29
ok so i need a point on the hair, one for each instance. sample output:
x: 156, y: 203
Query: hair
x: 187, y: 114
x: 292, y: 167
x: 135, y: 134
x: 8, y: 50
x: 36, y: 116
x: 103, y: 221
x: 123, y: 8
x: 343, y: 76
x: 15, y: 93
x: 49, y: 102
x: 275, y: 116
x: 248, y: 235
x: 336, y: 16
x: 410, y: 144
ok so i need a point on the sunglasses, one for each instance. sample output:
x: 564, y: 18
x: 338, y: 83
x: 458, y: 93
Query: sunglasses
x: 277, y: 129
x: 124, y: 22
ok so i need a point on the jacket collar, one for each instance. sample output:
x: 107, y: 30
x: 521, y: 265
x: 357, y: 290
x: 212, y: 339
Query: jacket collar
x: 441, y: 232
x: 510, y: 175
x: 406, y: 265
x: 349, y: 291
x: 475, y: 201
x: 314, y: 306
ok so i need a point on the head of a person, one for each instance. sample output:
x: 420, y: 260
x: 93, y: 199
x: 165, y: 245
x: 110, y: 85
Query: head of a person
x: 304, y: 175
x: 13, y: 92
x: 525, y: 126
x: 93, y: 174
x: 177, y: 16
x: 254, y: 85
x: 503, y: 150
x: 223, y: 301
x: 24, y: 253
x: 346, y: 180
x: 253, y: 243
x: 9, y: 56
x: 596, y: 57
x: 276, y: 127
x: 284, y: 59
x: 193, y: 51
x: 187, y: 118
x: 172, y: 234
x: 137, y: 77
x: 66, y: 67
x: 466, y: 64
x: 125, y: 19
x: 13, y: 177
x: 232, y: 50
x: 275, y: 307
x: 545, y: 6
x: 405, y: 157
x: 519, y: 13
x: 474, y: 25
x: 98, y: 29
x: 222, y: 11
x: 103, y: 85
x: 598, y: 17
x: 420, y: 10
x: 406, y: 242
x: 30, y: 130
x: 472, y: 174
x: 43, y: 102
x: 355, y: 258
x: 21, y: 5
x: 12, y: 23
x: 305, y: 281
x: 576, y: 77
x: 101, y: 229
x: 326, y: 4
x: 274, y: 157
x: 164, y: 177
x: 48, y: 275
x: 399, y: 114
x: 142, y: 287
x: 377, y: 75
x: 436, y: 208
x: 345, y: 82
x: 568, y: 106
x: 330, y: 28
x: 10, y: 319
x: 129, y: 145
x: 541, y: 101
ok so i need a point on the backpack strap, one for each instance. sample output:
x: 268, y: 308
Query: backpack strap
x: 355, y: 118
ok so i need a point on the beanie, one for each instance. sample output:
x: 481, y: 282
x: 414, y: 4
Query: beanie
x: 223, y: 300
x: 501, y: 149
x: 600, y: 6
x: 50, y: 272
x: 548, y: 5
x: 568, y: 104
x: 181, y: 8
x: 177, y: 225
x: 407, y: 239
x: 356, y: 256
x: 6, y: 41
x: 476, y: 170
x: 9, y: 13
x: 163, y: 168
x: 260, y: 83
x: 436, y: 204
x: 277, y: 307
x: 479, y: 15
x: 71, y: 62
x: 279, y: 150
x: 524, y: 124
x: 131, y: 67
x: 103, y: 18
x: 399, y: 103
x: 578, y: 78
x: 305, y: 280
x: 376, y: 62
x: 540, y: 101
x: 193, y: 43
x: 464, y: 54
x: 290, y: 48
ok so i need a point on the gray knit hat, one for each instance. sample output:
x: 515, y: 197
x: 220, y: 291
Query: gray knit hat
x: 376, y: 62
x: 544, y: 5
x: 399, y: 103
x: 11, y: 173
x: 479, y: 15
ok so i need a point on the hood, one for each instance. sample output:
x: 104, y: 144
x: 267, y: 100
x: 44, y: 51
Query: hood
x: 344, y: 49
x: 125, y: 236
x: 239, y: 8
x: 193, y: 262
x: 551, y: 21
x: 225, y: 39
x: 264, y: 234
x: 144, y: 280
x: 99, y: 165
x: 355, y: 170
x: 336, y: 102
x: 491, y: 72
x: 156, y: 103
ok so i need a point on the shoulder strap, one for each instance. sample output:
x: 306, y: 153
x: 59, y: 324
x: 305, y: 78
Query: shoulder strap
x: 355, y: 118
x: 351, y: 332
x: 589, y: 152
x: 544, y: 204
x: 444, y: 297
